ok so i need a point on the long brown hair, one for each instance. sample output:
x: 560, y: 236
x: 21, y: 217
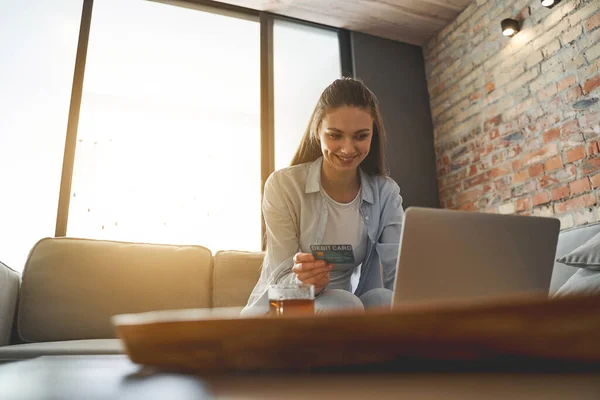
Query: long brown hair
x: 345, y: 92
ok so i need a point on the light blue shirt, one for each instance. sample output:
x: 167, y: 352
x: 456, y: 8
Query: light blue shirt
x: 295, y: 216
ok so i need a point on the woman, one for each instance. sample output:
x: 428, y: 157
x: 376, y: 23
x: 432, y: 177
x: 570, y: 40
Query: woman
x: 336, y: 191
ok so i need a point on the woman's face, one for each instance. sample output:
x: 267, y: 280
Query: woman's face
x: 346, y: 135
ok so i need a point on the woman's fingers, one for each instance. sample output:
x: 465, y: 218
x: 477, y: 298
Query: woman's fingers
x: 309, y: 266
x: 300, y: 258
x: 303, y: 276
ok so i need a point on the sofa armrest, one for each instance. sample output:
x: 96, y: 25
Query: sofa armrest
x: 10, y: 282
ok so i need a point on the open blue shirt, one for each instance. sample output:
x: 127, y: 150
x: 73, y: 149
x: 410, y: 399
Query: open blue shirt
x: 295, y: 216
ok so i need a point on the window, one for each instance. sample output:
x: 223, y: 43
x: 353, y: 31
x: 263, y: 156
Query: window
x: 38, y: 44
x: 306, y: 60
x: 168, y: 146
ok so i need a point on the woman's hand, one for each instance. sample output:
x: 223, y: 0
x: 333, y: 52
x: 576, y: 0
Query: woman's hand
x: 311, y: 271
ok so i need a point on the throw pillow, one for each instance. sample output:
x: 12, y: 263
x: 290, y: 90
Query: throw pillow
x: 585, y: 256
x: 583, y: 282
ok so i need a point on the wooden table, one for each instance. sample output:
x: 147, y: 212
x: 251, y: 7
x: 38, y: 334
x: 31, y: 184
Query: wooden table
x: 115, y: 377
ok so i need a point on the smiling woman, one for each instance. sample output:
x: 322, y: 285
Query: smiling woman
x: 336, y: 192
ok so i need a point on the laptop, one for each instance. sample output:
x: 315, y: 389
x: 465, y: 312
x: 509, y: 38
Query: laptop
x: 459, y: 255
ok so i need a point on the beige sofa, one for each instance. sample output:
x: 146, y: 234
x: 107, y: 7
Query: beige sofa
x: 70, y: 288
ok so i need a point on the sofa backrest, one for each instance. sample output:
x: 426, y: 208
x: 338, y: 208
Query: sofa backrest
x: 71, y: 287
x: 235, y: 275
x: 569, y: 240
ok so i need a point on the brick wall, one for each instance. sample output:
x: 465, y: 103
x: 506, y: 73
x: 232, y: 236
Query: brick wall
x: 517, y: 120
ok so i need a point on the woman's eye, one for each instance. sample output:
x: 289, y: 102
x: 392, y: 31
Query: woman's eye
x: 334, y: 136
x: 363, y: 137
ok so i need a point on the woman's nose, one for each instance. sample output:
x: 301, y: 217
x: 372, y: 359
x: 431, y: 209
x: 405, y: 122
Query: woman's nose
x: 348, y: 146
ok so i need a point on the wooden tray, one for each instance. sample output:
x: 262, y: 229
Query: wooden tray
x: 564, y: 330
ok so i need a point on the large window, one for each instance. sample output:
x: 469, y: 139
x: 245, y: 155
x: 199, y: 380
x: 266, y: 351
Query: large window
x: 306, y: 60
x: 38, y: 44
x: 167, y: 148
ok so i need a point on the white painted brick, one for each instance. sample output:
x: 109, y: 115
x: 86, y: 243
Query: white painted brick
x: 566, y: 221
x: 572, y: 34
x: 550, y: 35
x: 508, y: 208
x: 557, y: 14
x: 593, y: 52
x: 534, y: 59
x: 551, y: 48
x: 545, y: 211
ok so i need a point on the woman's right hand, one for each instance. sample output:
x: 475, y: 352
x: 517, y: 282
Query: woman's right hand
x: 311, y: 271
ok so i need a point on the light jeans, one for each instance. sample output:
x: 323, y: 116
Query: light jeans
x: 337, y: 299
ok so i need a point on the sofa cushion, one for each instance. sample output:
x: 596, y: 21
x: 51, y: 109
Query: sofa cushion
x: 568, y: 241
x: 10, y: 281
x: 585, y: 256
x: 71, y: 287
x: 583, y: 282
x: 235, y: 275
x: 69, y: 347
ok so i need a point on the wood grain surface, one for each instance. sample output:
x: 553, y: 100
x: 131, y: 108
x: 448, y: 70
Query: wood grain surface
x: 535, y: 328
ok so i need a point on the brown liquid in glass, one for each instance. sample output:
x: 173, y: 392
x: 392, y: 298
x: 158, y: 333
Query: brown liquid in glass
x: 291, y: 307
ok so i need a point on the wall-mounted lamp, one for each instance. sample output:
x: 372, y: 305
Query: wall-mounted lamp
x: 550, y: 3
x: 509, y: 27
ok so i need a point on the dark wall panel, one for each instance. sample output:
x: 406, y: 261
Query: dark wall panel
x: 395, y: 72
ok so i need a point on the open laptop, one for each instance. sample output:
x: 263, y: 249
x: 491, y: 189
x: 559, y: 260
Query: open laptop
x: 459, y: 255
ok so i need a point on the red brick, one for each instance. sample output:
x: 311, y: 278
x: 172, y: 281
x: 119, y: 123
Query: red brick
x: 521, y: 176
x: 559, y: 193
x: 595, y: 181
x: 536, y: 170
x: 551, y: 135
x: 475, y: 96
x: 569, y: 128
x: 593, y: 148
x: 573, y: 94
x: 501, y: 170
x: 547, y: 151
x: 554, y: 163
x: 516, y: 165
x: 438, y: 89
x: 494, y: 134
x: 540, y: 198
x: 566, y: 83
x: 591, y: 84
x: 592, y: 22
x: 449, y: 191
x: 580, y: 186
x: 493, y: 122
x: 477, y: 180
x: 468, y: 196
x: 589, y: 166
x: 468, y: 207
x: 472, y: 170
x: 587, y: 200
x: 576, y: 154
x: 522, y: 204
x: 489, y: 87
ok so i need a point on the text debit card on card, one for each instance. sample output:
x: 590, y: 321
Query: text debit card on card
x: 333, y: 253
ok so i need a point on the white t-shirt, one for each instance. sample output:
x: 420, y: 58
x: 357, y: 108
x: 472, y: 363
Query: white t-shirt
x: 345, y: 226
